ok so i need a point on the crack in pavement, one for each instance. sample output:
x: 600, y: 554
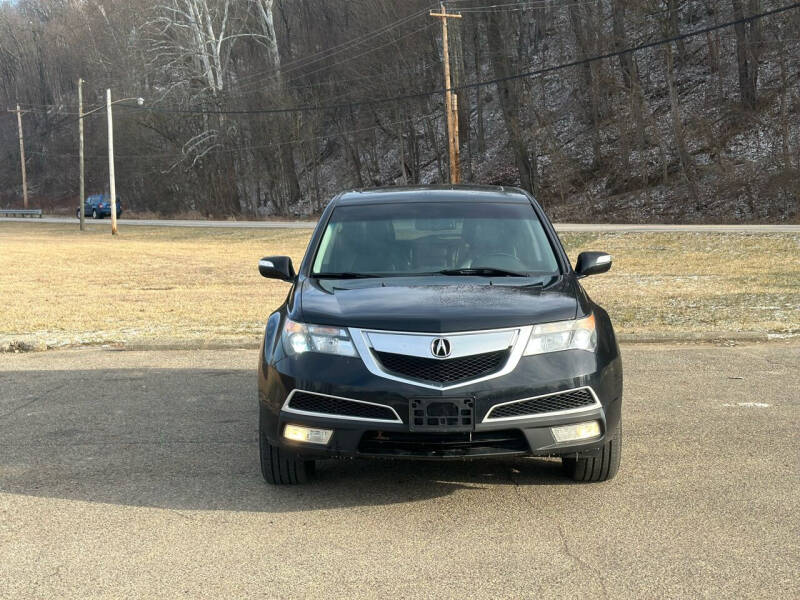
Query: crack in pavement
x: 564, y: 544
x: 769, y: 360
x: 580, y: 562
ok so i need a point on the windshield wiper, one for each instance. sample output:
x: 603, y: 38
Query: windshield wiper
x: 483, y: 272
x: 343, y: 275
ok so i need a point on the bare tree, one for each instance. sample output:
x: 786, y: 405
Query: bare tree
x: 271, y: 106
x: 747, y: 53
x: 686, y: 162
x: 500, y: 56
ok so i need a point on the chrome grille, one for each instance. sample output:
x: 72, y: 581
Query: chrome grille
x: 475, y: 355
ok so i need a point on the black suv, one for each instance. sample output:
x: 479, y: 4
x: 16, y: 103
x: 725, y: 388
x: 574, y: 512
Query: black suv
x: 438, y: 323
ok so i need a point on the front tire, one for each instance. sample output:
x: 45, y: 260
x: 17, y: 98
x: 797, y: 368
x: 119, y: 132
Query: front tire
x: 280, y: 467
x: 602, y: 467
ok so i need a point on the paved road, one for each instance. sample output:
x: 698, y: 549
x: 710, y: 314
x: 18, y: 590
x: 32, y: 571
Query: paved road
x: 134, y: 474
x: 563, y: 227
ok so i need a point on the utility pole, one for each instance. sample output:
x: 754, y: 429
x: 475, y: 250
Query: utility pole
x: 111, y: 181
x: 22, y: 157
x: 450, y: 99
x: 112, y: 184
x: 80, y: 151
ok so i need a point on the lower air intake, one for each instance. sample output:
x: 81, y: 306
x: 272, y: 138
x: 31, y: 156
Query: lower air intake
x: 442, y: 445
x: 570, y: 400
x: 340, y: 407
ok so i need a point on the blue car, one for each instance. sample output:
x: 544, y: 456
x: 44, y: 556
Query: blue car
x: 99, y: 206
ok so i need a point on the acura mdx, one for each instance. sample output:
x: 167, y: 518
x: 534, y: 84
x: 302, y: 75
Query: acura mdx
x: 438, y: 322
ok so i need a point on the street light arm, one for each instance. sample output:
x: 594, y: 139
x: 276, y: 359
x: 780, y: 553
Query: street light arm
x: 139, y: 101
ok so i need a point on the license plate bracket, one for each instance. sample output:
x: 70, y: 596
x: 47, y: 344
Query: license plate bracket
x: 441, y: 414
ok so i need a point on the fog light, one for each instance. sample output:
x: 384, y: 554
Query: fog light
x: 307, y: 434
x: 576, y: 431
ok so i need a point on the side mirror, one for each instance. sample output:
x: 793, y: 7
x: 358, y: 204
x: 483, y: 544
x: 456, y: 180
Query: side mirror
x: 276, y: 267
x: 592, y: 263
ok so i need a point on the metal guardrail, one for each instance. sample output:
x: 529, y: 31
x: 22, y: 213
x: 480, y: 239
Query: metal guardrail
x: 21, y: 212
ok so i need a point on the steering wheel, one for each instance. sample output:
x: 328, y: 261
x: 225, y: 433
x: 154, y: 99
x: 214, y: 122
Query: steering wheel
x: 486, y: 261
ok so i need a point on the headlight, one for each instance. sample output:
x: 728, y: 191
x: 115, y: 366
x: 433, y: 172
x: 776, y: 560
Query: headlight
x: 579, y: 334
x: 299, y: 338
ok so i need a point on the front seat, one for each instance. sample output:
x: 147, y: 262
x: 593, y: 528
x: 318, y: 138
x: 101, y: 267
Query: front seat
x: 374, y: 247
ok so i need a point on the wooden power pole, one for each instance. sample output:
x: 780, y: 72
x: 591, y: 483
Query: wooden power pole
x: 22, y: 157
x: 450, y: 99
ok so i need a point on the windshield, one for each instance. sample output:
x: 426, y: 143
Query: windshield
x: 425, y: 238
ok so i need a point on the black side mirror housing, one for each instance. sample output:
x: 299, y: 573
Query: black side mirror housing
x: 277, y: 267
x: 592, y: 263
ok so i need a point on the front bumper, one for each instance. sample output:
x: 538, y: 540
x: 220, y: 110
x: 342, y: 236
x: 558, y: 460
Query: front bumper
x: 526, y: 435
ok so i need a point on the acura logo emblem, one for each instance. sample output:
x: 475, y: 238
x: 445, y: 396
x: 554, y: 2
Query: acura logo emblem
x: 440, y: 347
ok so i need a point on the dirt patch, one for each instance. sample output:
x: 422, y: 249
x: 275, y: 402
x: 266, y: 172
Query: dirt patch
x: 17, y: 346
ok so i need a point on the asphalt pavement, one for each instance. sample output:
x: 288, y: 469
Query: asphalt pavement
x: 135, y: 474
x: 561, y: 227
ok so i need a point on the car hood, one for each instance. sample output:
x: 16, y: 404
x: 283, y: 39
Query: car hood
x: 436, y: 304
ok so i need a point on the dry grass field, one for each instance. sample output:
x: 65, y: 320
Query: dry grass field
x: 61, y: 287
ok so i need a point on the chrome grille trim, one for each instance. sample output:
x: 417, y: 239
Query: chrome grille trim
x: 464, y: 344
x: 596, y: 405
x: 288, y: 409
x: 518, y: 337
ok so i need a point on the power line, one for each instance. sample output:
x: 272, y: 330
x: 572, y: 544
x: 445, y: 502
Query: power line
x: 250, y: 89
x: 478, y: 84
x: 518, y: 6
x: 305, y: 61
x: 43, y: 110
x: 339, y: 48
x: 249, y: 86
x: 235, y: 149
x: 526, y: 74
x: 252, y: 85
x: 632, y: 49
x: 372, y: 49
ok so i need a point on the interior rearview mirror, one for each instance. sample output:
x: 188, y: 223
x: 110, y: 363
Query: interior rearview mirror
x: 276, y: 267
x: 592, y: 263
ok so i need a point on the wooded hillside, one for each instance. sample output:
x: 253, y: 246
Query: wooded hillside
x: 259, y: 107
